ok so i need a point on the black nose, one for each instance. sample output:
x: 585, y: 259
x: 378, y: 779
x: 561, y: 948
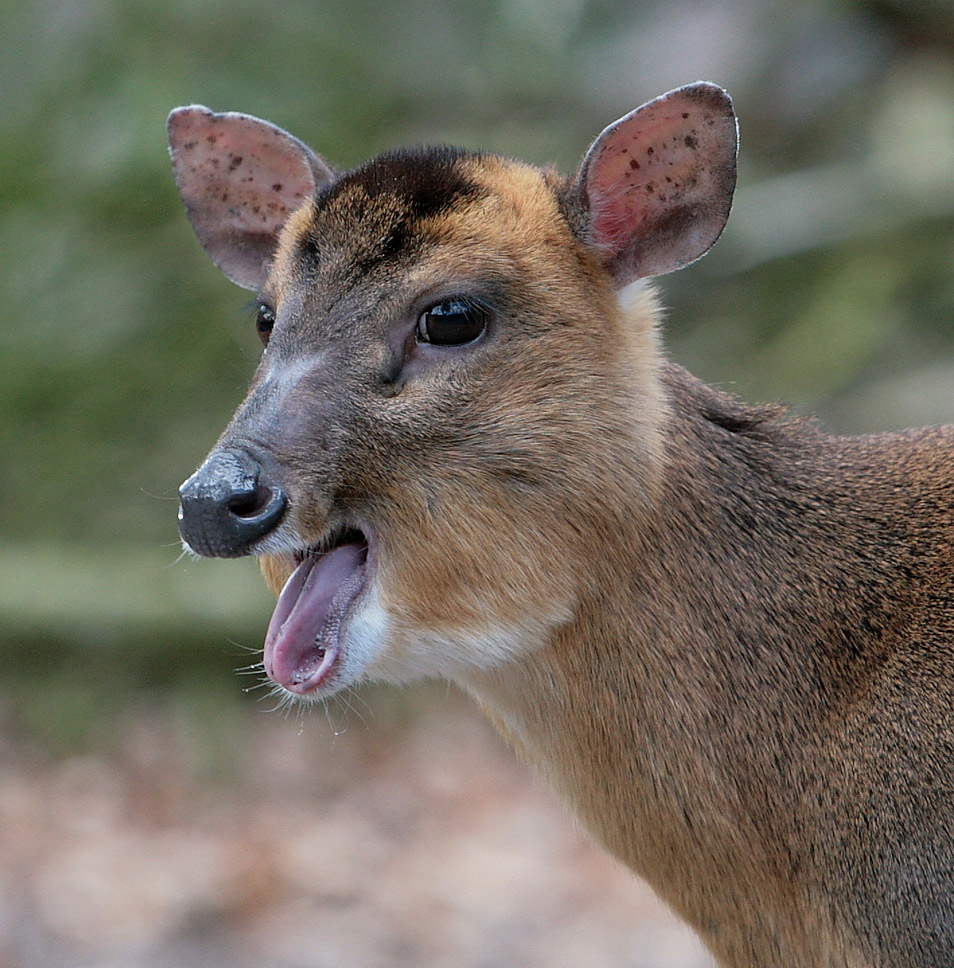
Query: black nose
x: 225, y: 508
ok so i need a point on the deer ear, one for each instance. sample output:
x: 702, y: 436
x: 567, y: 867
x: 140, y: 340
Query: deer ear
x: 240, y: 178
x: 658, y: 184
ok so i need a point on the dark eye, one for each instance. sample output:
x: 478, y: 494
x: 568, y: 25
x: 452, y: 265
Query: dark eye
x: 452, y: 322
x: 264, y: 321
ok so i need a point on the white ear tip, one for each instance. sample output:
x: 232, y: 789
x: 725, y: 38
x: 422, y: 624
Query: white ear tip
x: 187, y: 113
x: 190, y: 108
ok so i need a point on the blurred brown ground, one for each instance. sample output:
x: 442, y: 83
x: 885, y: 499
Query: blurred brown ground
x: 418, y: 841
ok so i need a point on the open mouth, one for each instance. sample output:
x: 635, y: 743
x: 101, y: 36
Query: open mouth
x: 302, y: 642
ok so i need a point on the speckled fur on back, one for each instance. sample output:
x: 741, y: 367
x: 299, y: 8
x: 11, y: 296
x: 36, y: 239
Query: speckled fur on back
x: 724, y: 635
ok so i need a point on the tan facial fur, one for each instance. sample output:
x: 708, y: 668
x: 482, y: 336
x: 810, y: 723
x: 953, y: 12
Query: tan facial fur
x: 472, y: 550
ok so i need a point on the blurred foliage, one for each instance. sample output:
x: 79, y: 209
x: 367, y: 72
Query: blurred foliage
x: 124, y: 351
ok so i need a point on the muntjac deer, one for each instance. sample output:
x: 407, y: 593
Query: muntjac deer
x: 725, y: 636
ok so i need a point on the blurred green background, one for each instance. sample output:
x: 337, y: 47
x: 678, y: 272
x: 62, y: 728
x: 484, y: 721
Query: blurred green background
x: 124, y: 351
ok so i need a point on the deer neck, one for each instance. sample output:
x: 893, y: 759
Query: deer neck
x: 678, y: 709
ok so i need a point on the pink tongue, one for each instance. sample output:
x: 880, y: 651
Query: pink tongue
x: 302, y: 638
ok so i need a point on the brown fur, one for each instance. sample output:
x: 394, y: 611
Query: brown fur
x: 735, y: 648
x: 760, y: 708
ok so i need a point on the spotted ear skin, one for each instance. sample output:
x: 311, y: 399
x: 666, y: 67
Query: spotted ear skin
x: 240, y: 178
x: 658, y: 183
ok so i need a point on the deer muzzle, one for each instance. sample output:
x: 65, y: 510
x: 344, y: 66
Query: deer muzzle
x: 227, y: 505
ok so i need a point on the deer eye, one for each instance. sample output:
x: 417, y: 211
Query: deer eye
x: 264, y: 321
x: 452, y: 322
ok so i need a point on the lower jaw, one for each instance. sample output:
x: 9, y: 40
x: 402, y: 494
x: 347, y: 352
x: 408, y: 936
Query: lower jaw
x: 308, y: 682
x: 305, y: 661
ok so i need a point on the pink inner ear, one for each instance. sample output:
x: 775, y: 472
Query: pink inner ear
x: 659, y: 181
x: 252, y: 172
x: 240, y: 179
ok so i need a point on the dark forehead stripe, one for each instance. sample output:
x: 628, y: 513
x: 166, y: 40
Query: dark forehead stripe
x: 429, y: 179
x: 378, y: 206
